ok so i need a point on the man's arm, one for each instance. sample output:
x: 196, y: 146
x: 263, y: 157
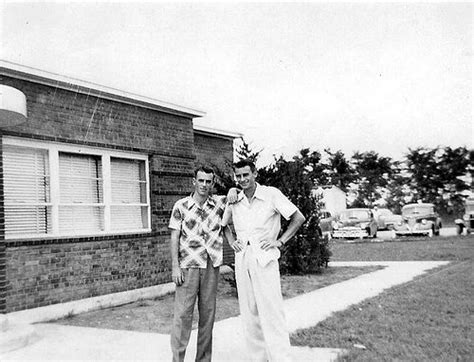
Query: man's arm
x: 226, y: 220
x: 176, y: 272
x: 227, y: 216
x: 232, y: 195
x: 296, y: 220
x: 234, y: 244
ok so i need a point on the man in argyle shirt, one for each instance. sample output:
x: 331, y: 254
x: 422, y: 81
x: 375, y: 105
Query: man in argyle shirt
x: 196, y: 254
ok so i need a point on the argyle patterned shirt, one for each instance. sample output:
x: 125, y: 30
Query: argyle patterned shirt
x: 200, y: 231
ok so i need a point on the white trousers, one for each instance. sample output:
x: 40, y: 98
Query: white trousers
x: 261, y: 308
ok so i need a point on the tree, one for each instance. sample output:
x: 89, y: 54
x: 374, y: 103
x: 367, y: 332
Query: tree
x: 374, y: 173
x: 398, y: 190
x: 438, y: 176
x: 245, y: 152
x: 423, y: 169
x: 224, y: 178
x: 311, y: 161
x: 339, y: 171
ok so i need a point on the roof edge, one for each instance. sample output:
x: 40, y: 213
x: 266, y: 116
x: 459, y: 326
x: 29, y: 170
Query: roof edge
x: 219, y: 132
x: 74, y: 84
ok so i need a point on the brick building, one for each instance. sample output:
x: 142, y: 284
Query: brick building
x: 87, y: 184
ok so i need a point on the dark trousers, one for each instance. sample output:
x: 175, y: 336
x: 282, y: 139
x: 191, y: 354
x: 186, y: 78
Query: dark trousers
x: 201, y: 284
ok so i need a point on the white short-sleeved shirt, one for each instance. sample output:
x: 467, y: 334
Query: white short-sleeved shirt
x: 259, y: 219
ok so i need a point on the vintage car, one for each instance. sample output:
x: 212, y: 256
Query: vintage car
x: 418, y: 219
x: 325, y: 227
x: 355, y: 223
x: 467, y: 221
x: 386, y: 219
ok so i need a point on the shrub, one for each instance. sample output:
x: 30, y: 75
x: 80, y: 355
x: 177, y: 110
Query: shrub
x: 307, y: 252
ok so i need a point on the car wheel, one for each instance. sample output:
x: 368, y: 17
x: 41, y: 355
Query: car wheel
x: 459, y: 229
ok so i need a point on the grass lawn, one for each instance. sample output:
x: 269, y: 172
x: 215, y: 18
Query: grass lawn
x: 436, y: 248
x: 428, y: 319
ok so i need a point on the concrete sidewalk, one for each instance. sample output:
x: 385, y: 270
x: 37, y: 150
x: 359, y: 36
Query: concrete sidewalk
x: 59, y: 342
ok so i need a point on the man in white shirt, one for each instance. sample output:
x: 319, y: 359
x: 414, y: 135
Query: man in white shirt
x: 256, y: 218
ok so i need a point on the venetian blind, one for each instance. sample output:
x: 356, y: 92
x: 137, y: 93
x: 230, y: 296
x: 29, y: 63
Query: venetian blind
x: 27, y: 191
x: 129, y: 207
x: 81, y: 208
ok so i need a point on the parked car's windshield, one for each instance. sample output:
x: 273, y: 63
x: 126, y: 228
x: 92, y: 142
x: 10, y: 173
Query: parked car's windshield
x: 354, y: 214
x: 413, y: 210
x: 385, y: 212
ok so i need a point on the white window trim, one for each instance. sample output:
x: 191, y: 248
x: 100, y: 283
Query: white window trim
x: 53, y: 152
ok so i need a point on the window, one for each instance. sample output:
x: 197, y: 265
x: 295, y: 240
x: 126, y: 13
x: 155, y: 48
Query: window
x: 81, y: 206
x: 62, y: 190
x: 129, y: 196
x: 26, y: 189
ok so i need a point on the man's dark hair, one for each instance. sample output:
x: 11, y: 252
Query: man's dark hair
x: 204, y: 169
x: 244, y: 163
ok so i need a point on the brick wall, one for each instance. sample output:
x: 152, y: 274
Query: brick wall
x: 66, y: 115
x: 61, y: 270
x: 39, y: 272
x: 3, y: 260
x: 43, y: 272
x: 208, y: 147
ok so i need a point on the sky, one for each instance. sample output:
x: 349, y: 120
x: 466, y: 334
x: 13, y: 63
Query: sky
x: 362, y: 76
